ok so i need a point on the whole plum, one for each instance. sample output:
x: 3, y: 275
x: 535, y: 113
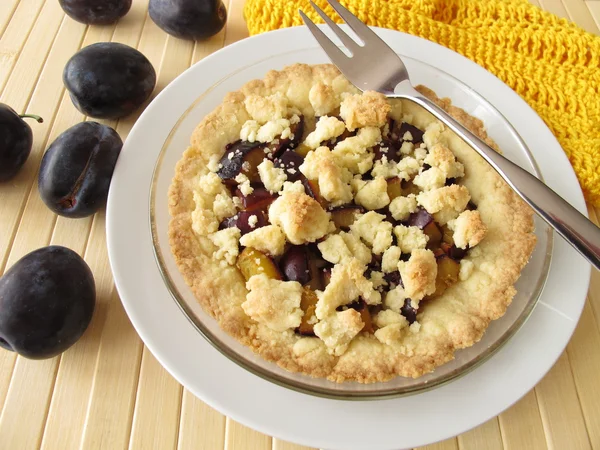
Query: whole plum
x: 47, y: 300
x: 189, y: 19
x: 77, y: 168
x: 109, y: 80
x: 15, y: 141
x: 96, y: 12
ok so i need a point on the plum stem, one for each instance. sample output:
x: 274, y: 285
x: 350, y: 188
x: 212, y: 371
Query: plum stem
x: 32, y: 116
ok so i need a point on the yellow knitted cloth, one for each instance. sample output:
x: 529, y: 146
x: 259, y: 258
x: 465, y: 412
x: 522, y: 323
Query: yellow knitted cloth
x: 552, y: 63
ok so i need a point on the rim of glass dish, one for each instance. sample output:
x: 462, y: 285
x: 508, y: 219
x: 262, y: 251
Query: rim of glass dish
x: 375, y: 394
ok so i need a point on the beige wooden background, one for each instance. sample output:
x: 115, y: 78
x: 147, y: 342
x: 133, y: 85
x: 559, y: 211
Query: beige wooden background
x: 108, y: 391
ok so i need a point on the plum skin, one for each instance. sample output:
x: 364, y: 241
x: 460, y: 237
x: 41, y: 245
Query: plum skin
x: 96, y: 12
x: 47, y: 300
x: 16, y: 140
x: 109, y: 80
x: 189, y: 19
x: 77, y: 168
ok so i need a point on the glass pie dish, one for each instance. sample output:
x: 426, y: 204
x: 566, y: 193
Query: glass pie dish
x: 528, y: 287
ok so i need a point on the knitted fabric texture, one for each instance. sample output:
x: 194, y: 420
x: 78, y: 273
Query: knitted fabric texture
x: 550, y: 62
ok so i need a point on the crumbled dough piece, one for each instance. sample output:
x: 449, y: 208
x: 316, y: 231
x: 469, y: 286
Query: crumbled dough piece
x: 445, y: 203
x: 389, y: 317
x: 333, y: 179
x: 323, y: 99
x: 408, y: 167
x: 420, y: 154
x: 390, y: 325
x: 367, y: 110
x: 373, y: 194
x: 432, y: 178
x: 271, y: 176
x: 442, y: 157
x: 419, y: 274
x: 213, y: 203
x: 244, y: 184
x: 390, y: 259
x: 407, y: 148
x: 353, y: 152
x: 263, y: 109
x: 378, y: 280
x: 402, y: 207
x: 249, y: 131
x: 384, y: 168
x: 346, y: 285
x: 252, y: 221
x: 375, y: 231
x: 300, y: 217
x: 274, y: 303
x: 273, y: 129
x: 410, y: 238
x: 226, y: 241
x: 269, y: 239
x: 339, y: 248
x: 468, y: 228
x: 326, y: 128
x: 466, y: 269
x: 338, y: 329
x: 395, y: 298
x: 432, y: 134
x: 296, y: 186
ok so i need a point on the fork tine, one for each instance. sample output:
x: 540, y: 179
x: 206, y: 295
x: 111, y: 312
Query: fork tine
x: 361, y: 29
x: 346, y: 40
x: 335, y: 54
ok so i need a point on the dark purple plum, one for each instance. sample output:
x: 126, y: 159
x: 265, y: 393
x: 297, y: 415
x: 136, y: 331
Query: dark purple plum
x: 393, y: 278
x: 47, y: 300
x: 109, y: 80
x: 408, y: 311
x: 77, y: 168
x: 420, y: 218
x: 96, y: 12
x: 240, y: 220
x: 290, y: 161
x: 189, y: 19
x: 16, y: 139
x: 231, y: 164
x: 294, y: 264
x: 260, y: 198
x: 397, y: 132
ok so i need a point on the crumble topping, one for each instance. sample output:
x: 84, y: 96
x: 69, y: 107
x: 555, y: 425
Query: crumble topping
x: 274, y: 303
x: 300, y: 217
x: 346, y: 227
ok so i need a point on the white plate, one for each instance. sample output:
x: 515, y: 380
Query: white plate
x: 396, y: 423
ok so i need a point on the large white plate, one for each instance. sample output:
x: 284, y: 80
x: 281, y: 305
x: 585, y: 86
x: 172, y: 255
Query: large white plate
x: 333, y: 424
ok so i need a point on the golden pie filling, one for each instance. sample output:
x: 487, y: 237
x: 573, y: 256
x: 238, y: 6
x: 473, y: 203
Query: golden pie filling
x: 343, y: 234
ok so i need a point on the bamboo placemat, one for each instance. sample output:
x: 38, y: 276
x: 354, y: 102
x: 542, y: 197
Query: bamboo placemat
x: 108, y: 391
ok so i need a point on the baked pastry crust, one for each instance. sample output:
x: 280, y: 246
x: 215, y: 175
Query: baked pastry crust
x: 453, y: 321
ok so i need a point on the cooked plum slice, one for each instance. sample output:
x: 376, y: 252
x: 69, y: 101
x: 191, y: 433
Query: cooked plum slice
x: 447, y: 235
x: 391, y: 151
x: 408, y: 311
x: 232, y: 162
x: 365, y: 315
x: 316, y: 266
x: 311, y: 188
x: 471, y: 206
x: 408, y: 187
x: 294, y: 264
x: 345, y: 216
x: 447, y: 274
x: 394, y: 188
x: 260, y: 198
x: 434, y: 233
x: 397, y: 132
x: 326, y: 276
x: 308, y: 304
x: 254, y: 262
x: 290, y: 161
x: 420, y: 218
x: 453, y: 251
x: 252, y: 160
x: 241, y: 221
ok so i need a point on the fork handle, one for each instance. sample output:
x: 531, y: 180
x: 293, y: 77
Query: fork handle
x: 573, y: 226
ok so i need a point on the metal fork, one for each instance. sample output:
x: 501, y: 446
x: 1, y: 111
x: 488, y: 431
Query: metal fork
x: 375, y: 66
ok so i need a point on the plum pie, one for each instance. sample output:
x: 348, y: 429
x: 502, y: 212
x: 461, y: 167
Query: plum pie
x: 342, y: 234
